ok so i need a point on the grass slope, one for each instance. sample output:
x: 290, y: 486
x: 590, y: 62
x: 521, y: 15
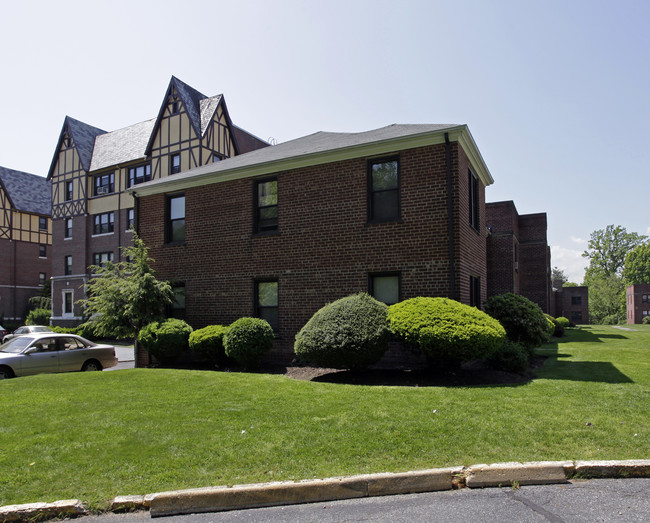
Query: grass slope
x: 97, y: 435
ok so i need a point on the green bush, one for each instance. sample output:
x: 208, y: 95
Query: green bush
x: 522, y: 319
x: 165, y: 340
x: 64, y: 330
x: 208, y: 343
x: 558, y: 329
x: 349, y: 333
x: 511, y: 357
x: 646, y: 320
x: 563, y: 322
x: 446, y: 330
x: 247, y: 340
x: 38, y: 317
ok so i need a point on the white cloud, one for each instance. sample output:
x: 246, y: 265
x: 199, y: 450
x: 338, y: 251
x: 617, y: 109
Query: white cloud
x: 570, y: 261
x: 647, y: 231
x: 575, y: 239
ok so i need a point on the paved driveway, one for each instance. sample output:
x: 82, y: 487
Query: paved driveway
x: 125, y: 357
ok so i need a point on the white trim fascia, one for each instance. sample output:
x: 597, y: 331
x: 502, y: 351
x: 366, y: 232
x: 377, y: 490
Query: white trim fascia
x: 70, y: 277
x: 458, y: 133
x: 20, y: 287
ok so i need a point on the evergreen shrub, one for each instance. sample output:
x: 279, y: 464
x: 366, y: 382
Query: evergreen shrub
x: 522, y: 319
x: 511, y: 357
x: 446, y: 330
x: 247, y: 340
x: 563, y: 322
x: 208, y: 343
x: 165, y: 340
x: 349, y: 333
x: 646, y: 320
x: 38, y: 317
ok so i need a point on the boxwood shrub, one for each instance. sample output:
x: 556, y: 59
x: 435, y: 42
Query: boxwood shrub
x: 247, y: 340
x: 511, y: 357
x: 522, y: 319
x: 349, y: 333
x: 165, y: 340
x: 208, y: 343
x: 446, y: 330
x: 558, y: 330
x: 563, y: 322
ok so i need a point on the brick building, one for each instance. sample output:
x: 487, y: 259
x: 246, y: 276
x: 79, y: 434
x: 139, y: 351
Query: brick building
x: 573, y: 304
x: 637, y: 301
x: 518, y: 255
x: 279, y: 232
x: 92, y: 169
x: 25, y: 240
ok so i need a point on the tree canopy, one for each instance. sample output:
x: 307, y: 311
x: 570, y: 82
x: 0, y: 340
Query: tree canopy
x: 637, y: 265
x: 123, y: 297
x: 608, y: 247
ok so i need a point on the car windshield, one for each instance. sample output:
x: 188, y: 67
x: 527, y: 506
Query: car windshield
x: 40, y: 329
x: 16, y: 345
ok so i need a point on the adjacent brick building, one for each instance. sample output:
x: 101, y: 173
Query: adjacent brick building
x: 279, y: 232
x: 573, y: 303
x: 637, y: 301
x: 25, y: 240
x: 518, y: 255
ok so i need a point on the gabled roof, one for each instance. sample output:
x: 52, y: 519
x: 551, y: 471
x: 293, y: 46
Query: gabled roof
x: 123, y: 145
x: 27, y: 192
x: 83, y: 136
x: 320, y: 148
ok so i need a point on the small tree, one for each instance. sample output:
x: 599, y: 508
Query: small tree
x: 126, y: 296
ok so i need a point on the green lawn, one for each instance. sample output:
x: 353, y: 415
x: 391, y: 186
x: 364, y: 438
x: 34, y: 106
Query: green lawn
x: 93, y: 436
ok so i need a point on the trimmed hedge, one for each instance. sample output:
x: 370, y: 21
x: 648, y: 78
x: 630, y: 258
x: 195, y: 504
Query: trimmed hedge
x: 349, y: 333
x: 165, y: 340
x: 247, y: 340
x: 208, y: 343
x: 522, y: 319
x: 563, y: 322
x: 445, y: 329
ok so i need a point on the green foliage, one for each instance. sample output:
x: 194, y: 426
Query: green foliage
x: 247, y: 340
x: 558, y: 328
x: 511, y: 357
x: 552, y: 326
x: 64, y: 330
x: 522, y: 319
x: 126, y: 296
x: 208, y: 343
x: 606, y: 298
x: 637, y: 265
x: 558, y: 278
x: 38, y: 317
x: 607, y: 249
x: 40, y: 302
x: 563, y: 322
x: 349, y: 333
x: 165, y: 340
x: 446, y: 330
x: 646, y: 320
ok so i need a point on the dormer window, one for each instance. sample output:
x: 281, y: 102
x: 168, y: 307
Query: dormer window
x: 174, y: 164
x: 175, y: 107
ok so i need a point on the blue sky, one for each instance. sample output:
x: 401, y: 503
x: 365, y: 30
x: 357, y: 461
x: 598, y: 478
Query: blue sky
x: 555, y: 93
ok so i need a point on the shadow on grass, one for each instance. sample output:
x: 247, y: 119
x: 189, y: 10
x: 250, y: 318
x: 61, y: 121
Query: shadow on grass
x: 585, y: 333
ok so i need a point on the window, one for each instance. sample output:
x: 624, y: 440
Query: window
x: 178, y: 305
x: 176, y: 218
x: 645, y: 298
x: 385, y: 287
x: 645, y: 313
x: 175, y: 107
x: 473, y: 200
x: 100, y: 258
x: 41, y: 278
x: 475, y: 291
x: 67, y: 232
x: 139, y: 174
x: 266, y: 302
x: 174, y: 164
x: 383, y: 190
x: 42, y: 223
x: 42, y: 251
x: 576, y: 300
x: 68, y: 191
x: 103, y: 223
x: 266, y: 204
x: 68, y: 300
x: 104, y: 184
x: 216, y: 158
x: 67, y: 265
x: 130, y: 219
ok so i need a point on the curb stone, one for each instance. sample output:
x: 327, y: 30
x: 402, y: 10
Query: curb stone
x: 215, y: 499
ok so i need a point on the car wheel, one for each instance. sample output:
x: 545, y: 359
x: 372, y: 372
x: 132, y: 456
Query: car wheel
x: 91, y: 365
x: 6, y: 373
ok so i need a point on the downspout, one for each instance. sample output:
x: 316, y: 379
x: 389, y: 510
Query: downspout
x: 15, y: 301
x: 450, y: 221
x: 136, y: 226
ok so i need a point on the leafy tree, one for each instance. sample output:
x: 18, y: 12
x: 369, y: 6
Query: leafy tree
x: 607, y: 249
x: 558, y: 278
x: 126, y: 296
x: 637, y: 265
x: 606, y: 297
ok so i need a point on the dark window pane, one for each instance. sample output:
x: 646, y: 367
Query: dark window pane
x: 385, y: 205
x: 384, y: 175
x: 267, y: 193
x: 272, y: 315
x: 386, y: 289
x: 178, y: 230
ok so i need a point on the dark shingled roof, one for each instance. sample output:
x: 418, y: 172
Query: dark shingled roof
x: 27, y: 192
x: 191, y: 99
x: 83, y: 136
x: 123, y: 145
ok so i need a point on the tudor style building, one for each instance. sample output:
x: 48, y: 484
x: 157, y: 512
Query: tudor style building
x: 25, y: 240
x: 398, y: 212
x: 92, y: 169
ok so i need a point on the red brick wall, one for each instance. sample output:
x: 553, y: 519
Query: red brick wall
x: 566, y: 308
x: 634, y: 302
x: 325, y: 248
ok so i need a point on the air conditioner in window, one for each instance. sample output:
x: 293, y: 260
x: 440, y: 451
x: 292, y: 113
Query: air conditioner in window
x: 102, y: 190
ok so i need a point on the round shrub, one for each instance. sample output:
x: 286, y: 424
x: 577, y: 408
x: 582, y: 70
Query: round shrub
x: 349, y: 333
x: 558, y: 330
x: 208, y: 343
x: 445, y: 329
x: 563, y: 322
x: 511, y: 357
x: 165, y: 340
x: 38, y: 317
x: 247, y: 340
x: 646, y: 320
x: 522, y: 319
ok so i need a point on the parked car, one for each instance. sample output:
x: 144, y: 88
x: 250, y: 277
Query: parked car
x: 3, y: 332
x: 27, y: 329
x: 50, y: 352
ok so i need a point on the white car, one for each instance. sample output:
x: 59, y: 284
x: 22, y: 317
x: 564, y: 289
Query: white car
x: 50, y: 352
x: 27, y: 329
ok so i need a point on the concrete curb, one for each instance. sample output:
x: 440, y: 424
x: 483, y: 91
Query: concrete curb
x: 216, y: 499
